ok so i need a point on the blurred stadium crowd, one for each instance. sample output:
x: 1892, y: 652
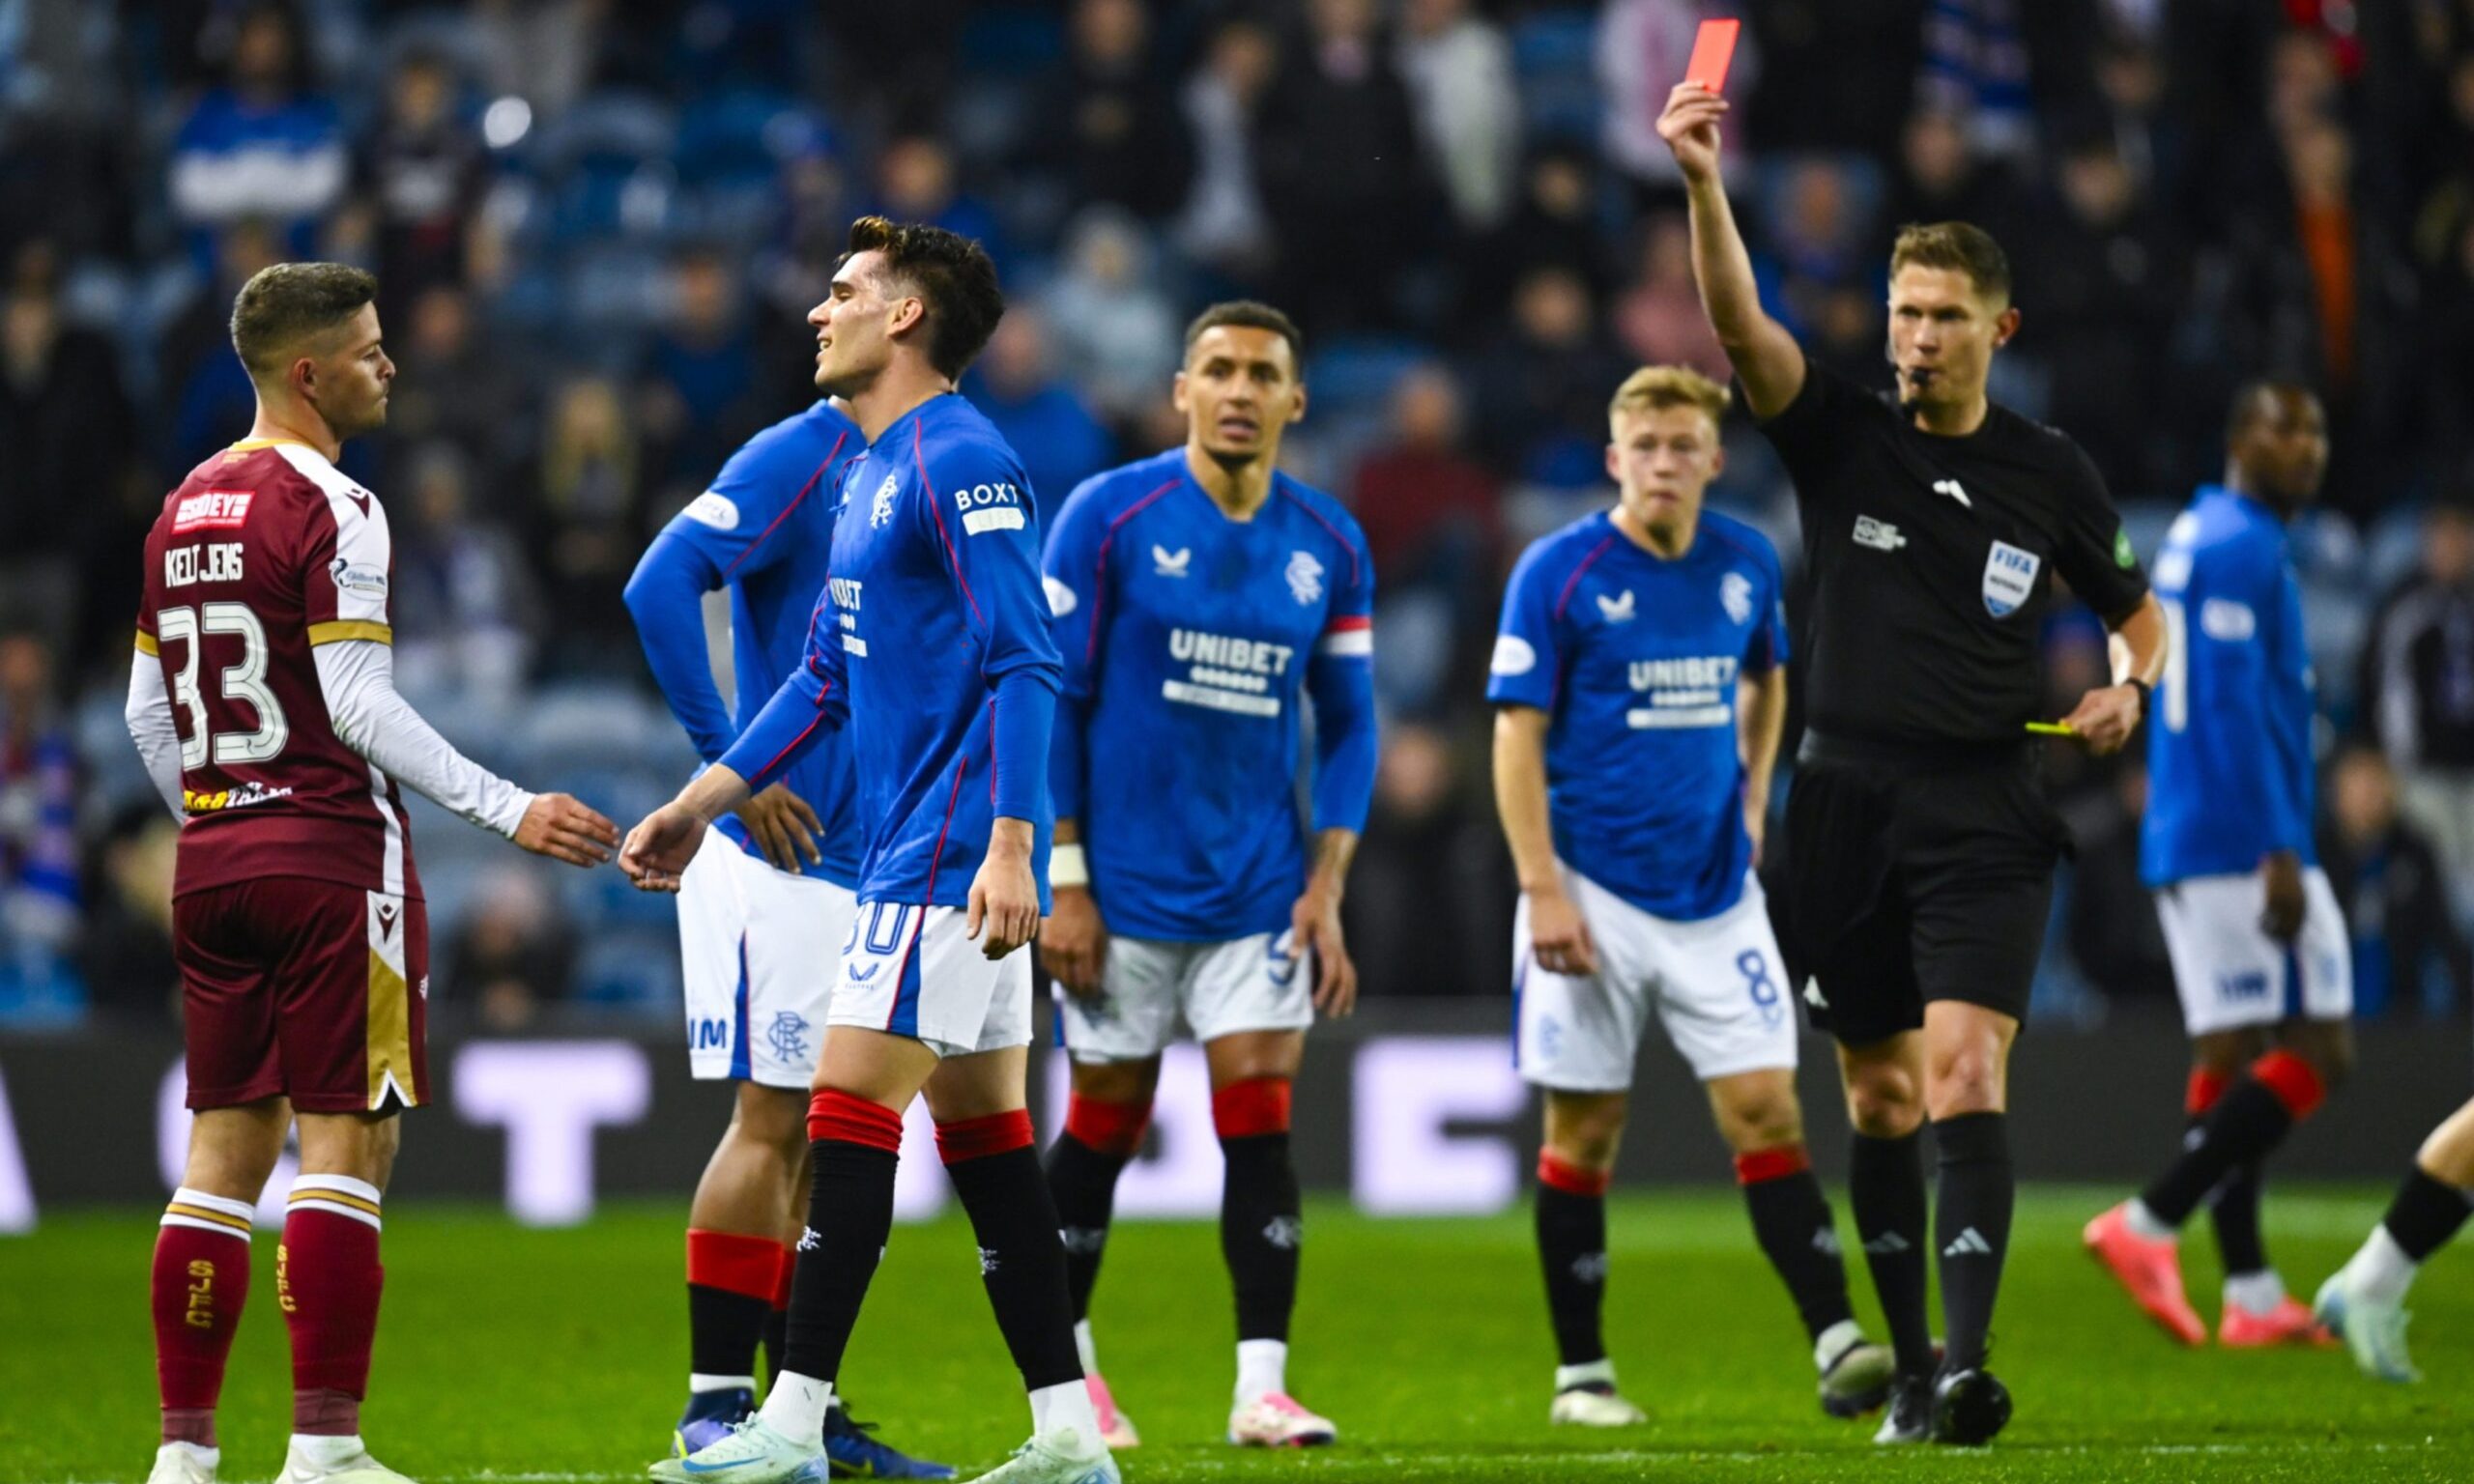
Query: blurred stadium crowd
x: 597, y: 226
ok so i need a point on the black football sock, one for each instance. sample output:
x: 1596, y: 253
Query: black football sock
x: 1971, y: 1228
x: 1261, y: 1231
x: 2425, y: 1214
x: 2234, y: 1209
x: 1886, y: 1191
x: 1022, y: 1260
x: 1572, y: 1246
x: 2251, y: 1119
x: 1084, y: 1181
x: 1790, y: 1219
x: 731, y: 1278
x: 855, y: 1151
x: 1261, y: 1221
x: 777, y: 1341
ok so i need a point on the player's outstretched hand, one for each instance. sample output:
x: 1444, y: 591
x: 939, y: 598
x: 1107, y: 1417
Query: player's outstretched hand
x: 1004, y: 911
x: 560, y: 826
x: 1559, y: 937
x: 1074, y: 942
x: 1314, y: 928
x: 783, y: 827
x: 2106, y: 718
x: 1689, y: 126
x: 659, y: 847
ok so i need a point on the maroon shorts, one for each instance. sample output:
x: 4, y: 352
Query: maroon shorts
x: 308, y: 989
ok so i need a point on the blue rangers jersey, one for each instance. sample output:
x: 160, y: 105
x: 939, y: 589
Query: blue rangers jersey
x: 2228, y: 745
x: 931, y: 645
x: 765, y: 531
x: 1191, y: 642
x: 1634, y: 659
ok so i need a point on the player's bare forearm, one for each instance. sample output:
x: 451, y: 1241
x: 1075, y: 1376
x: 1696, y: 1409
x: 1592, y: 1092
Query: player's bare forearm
x: 2143, y: 635
x: 1520, y: 797
x: 713, y: 793
x: 1328, y: 874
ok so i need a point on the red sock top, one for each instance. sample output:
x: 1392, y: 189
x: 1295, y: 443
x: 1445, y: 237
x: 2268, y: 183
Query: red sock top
x: 2205, y: 1089
x: 834, y: 1114
x: 2294, y: 1081
x: 976, y: 1138
x: 1257, y: 1105
x: 733, y: 1262
x: 1557, y: 1174
x: 1108, y: 1128
x: 1776, y: 1162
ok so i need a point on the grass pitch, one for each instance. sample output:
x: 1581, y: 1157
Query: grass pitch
x: 557, y: 1358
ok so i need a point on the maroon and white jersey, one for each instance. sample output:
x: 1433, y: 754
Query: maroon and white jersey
x: 265, y: 554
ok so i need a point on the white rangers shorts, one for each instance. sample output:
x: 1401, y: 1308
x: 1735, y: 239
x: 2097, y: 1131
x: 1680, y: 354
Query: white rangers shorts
x: 1152, y: 992
x: 1718, y: 984
x: 913, y: 970
x: 758, y: 947
x: 2231, y: 974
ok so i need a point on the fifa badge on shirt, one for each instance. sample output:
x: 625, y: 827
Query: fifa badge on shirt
x: 2009, y: 579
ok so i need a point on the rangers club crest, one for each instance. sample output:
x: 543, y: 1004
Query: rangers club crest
x: 882, y: 509
x: 1304, y: 577
x: 1735, y: 593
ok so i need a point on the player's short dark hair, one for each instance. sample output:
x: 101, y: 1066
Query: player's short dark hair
x: 953, y: 272
x: 1960, y: 245
x: 1249, y: 314
x: 2245, y: 408
x: 285, y: 302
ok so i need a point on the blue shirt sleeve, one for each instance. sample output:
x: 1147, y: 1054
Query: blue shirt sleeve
x: 990, y: 541
x: 811, y: 699
x: 1070, y: 574
x: 727, y: 533
x: 1528, y: 661
x: 1340, y: 678
x: 2289, y: 668
x: 2236, y: 635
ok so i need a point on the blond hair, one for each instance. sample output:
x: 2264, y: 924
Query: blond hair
x: 1654, y: 389
x: 1959, y: 246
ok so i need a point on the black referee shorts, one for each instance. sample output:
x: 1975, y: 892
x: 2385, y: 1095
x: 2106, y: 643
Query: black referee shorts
x: 1912, y: 876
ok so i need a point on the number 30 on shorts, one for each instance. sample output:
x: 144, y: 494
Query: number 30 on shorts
x: 1754, y: 965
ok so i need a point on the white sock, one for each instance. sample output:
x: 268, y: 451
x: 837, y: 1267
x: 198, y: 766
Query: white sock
x: 1262, y: 1368
x: 1835, y: 1341
x: 2381, y: 1272
x: 2146, y: 1223
x: 203, y: 1457
x: 1596, y: 1373
x: 1084, y: 1346
x: 1065, y: 1405
x: 2256, y: 1293
x: 322, y: 1451
x: 697, y: 1383
x: 796, y: 1406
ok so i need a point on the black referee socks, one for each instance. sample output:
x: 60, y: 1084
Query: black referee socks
x: 1971, y: 1227
x: 1886, y: 1188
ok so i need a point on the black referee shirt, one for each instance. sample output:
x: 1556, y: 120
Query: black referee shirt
x: 1932, y: 562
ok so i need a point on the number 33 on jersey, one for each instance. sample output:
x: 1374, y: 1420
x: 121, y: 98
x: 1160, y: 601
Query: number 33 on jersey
x: 263, y: 553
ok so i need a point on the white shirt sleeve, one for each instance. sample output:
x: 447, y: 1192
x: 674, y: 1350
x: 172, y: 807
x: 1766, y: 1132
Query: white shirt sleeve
x: 149, y: 714
x: 359, y: 678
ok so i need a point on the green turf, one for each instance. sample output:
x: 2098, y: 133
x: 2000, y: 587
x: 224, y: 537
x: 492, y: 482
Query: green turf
x: 558, y: 1356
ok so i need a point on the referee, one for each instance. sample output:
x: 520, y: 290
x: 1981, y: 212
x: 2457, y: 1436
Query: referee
x: 1920, y: 847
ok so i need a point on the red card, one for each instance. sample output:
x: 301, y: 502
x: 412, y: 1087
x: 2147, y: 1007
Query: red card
x: 1712, y: 51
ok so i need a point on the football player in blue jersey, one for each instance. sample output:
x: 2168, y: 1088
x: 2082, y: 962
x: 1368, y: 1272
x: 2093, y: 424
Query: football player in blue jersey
x: 2251, y: 923
x: 768, y: 899
x: 1202, y: 600
x: 931, y: 645
x: 1640, y: 685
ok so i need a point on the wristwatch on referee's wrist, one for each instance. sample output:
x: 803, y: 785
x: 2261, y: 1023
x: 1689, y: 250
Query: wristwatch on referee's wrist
x: 2146, y: 695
